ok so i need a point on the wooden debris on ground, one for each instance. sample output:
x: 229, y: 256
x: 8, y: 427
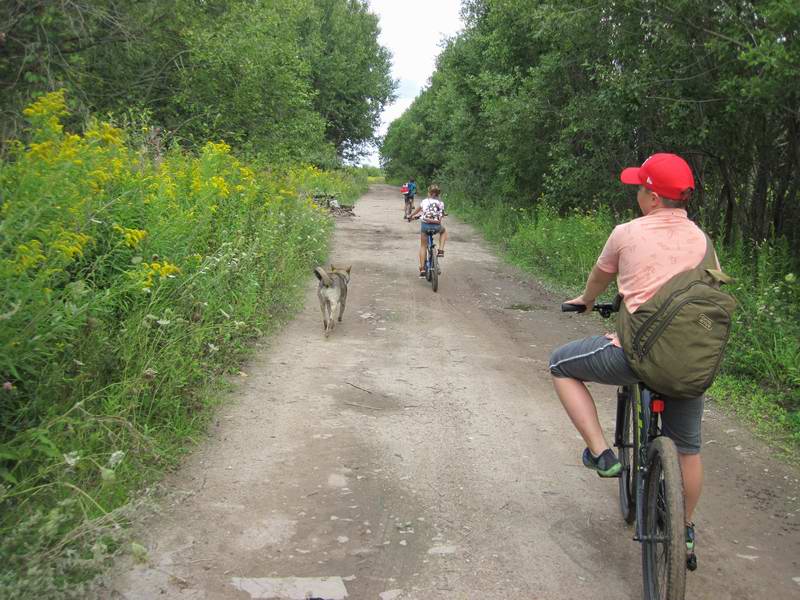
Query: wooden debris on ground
x: 330, y: 202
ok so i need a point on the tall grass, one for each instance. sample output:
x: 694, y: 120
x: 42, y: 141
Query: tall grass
x: 131, y: 284
x: 761, y: 371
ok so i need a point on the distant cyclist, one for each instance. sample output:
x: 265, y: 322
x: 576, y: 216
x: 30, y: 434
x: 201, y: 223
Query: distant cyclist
x: 642, y: 255
x: 431, y: 212
x: 408, y: 196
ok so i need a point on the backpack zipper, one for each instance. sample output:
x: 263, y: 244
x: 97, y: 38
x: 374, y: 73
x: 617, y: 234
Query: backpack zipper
x: 643, y: 329
x: 659, y: 330
x: 713, y: 374
x: 646, y: 324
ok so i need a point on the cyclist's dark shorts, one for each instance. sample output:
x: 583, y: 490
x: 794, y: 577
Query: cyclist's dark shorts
x: 431, y: 228
x: 409, y: 197
x: 598, y: 360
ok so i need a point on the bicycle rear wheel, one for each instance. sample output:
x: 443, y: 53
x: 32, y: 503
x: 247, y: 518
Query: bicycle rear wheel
x: 663, y: 544
x: 434, y: 272
x: 626, y: 439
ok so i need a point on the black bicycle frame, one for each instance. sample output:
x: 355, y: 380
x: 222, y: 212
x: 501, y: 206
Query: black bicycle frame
x: 647, y: 430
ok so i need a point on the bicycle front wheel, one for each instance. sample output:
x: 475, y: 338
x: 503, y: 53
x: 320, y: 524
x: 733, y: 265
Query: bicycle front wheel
x: 663, y: 543
x: 626, y: 439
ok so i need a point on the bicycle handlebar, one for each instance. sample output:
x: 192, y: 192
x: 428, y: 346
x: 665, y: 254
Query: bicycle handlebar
x: 606, y: 309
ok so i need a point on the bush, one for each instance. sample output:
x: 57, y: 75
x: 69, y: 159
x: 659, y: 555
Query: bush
x: 130, y: 284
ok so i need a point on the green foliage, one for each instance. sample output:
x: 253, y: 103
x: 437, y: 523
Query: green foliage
x: 535, y: 108
x: 248, y: 83
x: 765, y: 346
x: 547, y: 102
x: 282, y: 79
x: 350, y: 73
x: 131, y: 284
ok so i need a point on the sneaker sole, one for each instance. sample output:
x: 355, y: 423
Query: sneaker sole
x: 612, y: 472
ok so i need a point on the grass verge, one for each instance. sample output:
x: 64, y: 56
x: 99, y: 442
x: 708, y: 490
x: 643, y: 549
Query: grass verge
x: 132, y: 283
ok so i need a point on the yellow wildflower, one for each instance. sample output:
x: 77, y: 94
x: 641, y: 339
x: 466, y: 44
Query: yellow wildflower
x: 197, y: 183
x: 44, y: 150
x: 70, y: 244
x: 105, y: 132
x: 216, y: 148
x: 164, y: 269
x: 133, y: 237
x: 29, y: 255
x: 220, y: 185
x: 48, y: 104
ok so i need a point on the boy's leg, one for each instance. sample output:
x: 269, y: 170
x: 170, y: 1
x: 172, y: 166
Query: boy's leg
x: 595, y: 359
x: 580, y: 407
x: 681, y: 422
x: 692, y: 472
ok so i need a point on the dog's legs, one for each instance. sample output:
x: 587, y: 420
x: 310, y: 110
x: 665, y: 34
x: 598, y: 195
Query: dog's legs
x: 343, y: 303
x: 322, y: 306
x: 331, y: 322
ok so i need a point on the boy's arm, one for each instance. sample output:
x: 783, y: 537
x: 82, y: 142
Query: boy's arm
x: 596, y: 284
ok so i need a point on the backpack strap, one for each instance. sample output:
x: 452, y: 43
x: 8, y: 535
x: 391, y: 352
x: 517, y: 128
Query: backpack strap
x: 709, y: 263
x: 710, y: 259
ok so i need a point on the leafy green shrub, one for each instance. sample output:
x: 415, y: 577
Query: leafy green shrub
x: 130, y: 284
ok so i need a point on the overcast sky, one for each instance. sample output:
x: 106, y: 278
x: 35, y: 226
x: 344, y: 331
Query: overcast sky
x: 412, y: 30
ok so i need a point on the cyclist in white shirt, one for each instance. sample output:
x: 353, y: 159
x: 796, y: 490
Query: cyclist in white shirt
x: 431, y: 212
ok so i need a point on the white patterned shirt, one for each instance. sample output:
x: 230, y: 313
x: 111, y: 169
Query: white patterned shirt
x: 432, y: 210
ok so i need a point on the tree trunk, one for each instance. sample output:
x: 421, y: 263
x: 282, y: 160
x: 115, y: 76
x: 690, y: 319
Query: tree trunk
x: 726, y: 195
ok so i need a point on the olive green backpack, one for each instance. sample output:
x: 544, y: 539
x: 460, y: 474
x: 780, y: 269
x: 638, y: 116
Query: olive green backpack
x: 674, y: 342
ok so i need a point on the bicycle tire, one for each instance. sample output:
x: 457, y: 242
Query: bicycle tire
x: 663, y: 546
x: 434, y: 272
x: 626, y: 439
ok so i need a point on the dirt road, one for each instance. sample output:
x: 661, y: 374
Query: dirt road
x: 420, y: 453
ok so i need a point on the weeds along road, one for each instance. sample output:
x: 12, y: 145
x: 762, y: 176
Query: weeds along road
x: 420, y: 453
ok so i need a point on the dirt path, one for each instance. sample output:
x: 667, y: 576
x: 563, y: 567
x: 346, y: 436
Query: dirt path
x: 420, y: 453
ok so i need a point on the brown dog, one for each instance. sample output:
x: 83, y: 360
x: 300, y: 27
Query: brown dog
x: 332, y: 294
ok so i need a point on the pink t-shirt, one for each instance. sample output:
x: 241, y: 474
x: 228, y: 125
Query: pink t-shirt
x: 647, y: 252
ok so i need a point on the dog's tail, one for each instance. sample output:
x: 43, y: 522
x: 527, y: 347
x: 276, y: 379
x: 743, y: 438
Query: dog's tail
x: 323, y: 277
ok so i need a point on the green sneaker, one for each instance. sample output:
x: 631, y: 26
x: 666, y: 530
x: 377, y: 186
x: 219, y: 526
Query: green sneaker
x: 606, y: 465
x: 691, y: 557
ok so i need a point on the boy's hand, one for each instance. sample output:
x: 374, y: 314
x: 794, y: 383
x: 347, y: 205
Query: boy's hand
x: 580, y: 300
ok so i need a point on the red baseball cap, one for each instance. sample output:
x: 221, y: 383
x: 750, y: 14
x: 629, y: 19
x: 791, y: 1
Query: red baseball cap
x: 667, y: 175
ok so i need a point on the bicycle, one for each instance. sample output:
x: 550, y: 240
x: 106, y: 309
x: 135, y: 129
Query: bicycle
x: 650, y: 484
x: 432, y: 269
x: 409, y: 205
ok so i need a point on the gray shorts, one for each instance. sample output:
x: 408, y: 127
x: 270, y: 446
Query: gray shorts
x: 598, y: 360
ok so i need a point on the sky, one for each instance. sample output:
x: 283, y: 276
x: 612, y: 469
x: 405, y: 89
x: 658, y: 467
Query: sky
x: 413, y: 31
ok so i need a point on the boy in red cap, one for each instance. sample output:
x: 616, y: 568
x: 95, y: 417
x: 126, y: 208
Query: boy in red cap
x: 642, y: 255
